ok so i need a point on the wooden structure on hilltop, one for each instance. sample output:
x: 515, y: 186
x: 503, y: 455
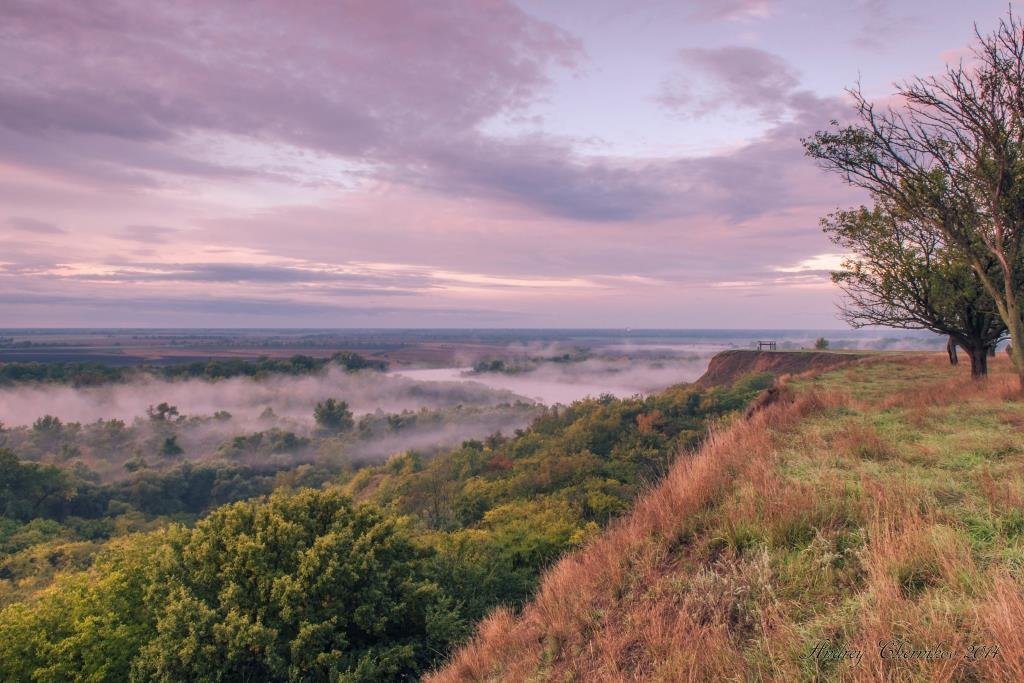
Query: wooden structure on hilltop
x: 762, y: 345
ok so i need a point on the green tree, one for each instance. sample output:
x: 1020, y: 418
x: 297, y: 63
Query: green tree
x: 164, y: 412
x: 47, y: 433
x: 952, y: 158
x: 47, y: 424
x: 170, y: 448
x: 304, y: 587
x: 30, y: 490
x: 353, y: 361
x: 333, y: 415
x: 91, y: 625
x: 901, y: 274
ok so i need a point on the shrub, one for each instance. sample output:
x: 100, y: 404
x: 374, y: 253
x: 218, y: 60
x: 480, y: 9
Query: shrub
x: 333, y: 415
x: 170, y: 448
x: 306, y: 586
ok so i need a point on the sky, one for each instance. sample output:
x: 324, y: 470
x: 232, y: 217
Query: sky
x: 393, y: 163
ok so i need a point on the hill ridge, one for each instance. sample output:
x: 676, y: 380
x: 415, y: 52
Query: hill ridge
x: 726, y: 367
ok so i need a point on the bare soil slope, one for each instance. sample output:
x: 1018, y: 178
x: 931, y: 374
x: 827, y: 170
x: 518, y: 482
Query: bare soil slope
x: 728, y: 366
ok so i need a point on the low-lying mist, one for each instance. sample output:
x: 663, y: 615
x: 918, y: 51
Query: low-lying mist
x: 565, y: 382
x: 116, y: 429
x: 564, y: 372
x: 288, y: 396
x: 269, y: 421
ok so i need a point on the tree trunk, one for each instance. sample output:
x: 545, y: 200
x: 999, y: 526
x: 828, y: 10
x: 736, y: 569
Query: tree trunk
x: 979, y: 362
x: 951, y: 350
x: 1016, y: 329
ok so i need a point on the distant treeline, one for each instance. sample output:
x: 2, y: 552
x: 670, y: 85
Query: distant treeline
x: 91, y: 374
x: 31, y: 490
x: 514, y: 367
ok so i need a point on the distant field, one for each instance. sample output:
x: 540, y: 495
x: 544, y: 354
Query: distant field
x: 422, y: 347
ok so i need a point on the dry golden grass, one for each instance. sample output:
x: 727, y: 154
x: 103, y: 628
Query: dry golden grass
x: 862, y: 441
x: 806, y: 522
x: 1000, y: 617
x: 907, y: 558
x: 1003, y: 493
x: 1000, y: 385
x: 591, y: 617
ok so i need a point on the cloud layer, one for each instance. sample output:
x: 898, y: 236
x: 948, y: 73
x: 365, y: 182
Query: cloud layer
x: 408, y: 163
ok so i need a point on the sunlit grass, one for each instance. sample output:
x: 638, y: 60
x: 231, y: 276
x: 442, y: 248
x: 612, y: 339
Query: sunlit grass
x: 891, y: 509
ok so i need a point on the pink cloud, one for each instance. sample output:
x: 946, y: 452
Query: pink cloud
x: 149, y: 132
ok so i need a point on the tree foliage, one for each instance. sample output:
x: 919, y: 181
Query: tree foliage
x: 952, y: 159
x: 502, y: 509
x: 29, y: 490
x: 305, y: 586
x: 333, y: 415
x: 903, y: 275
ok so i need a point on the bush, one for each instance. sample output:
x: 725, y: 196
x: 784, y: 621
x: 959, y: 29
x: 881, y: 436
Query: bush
x: 306, y: 586
x: 333, y: 416
x: 170, y: 448
x: 351, y: 597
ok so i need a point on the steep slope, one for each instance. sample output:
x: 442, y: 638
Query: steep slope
x: 881, y: 503
x: 728, y: 366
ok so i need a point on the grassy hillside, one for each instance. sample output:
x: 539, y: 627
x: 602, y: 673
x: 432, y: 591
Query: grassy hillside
x: 869, y: 524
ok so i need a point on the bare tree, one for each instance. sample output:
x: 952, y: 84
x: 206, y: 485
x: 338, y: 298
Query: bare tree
x: 952, y: 157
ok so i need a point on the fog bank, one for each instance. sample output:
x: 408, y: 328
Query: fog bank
x: 292, y: 397
x: 564, y: 383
